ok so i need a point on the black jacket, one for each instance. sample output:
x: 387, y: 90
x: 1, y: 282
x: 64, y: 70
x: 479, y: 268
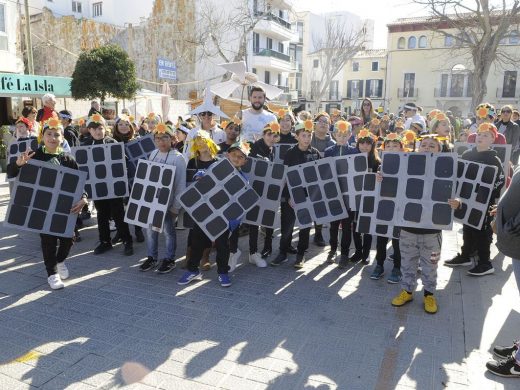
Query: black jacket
x: 287, y: 139
x: 71, y: 135
x: 92, y: 141
x: 64, y: 159
x: 295, y: 156
x: 261, y: 150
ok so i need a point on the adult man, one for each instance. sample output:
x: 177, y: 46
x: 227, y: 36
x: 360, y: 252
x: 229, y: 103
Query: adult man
x: 94, y: 108
x: 510, y: 130
x: 255, y: 118
x: 411, y: 115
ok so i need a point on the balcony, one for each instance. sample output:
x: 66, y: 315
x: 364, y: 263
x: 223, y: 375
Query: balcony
x: 509, y: 94
x: 268, y: 58
x: 407, y: 93
x: 275, y: 27
x: 451, y: 95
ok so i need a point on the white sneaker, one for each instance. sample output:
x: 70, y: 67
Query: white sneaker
x: 255, y: 258
x: 55, y: 282
x: 233, y: 260
x: 63, y: 271
x: 112, y: 225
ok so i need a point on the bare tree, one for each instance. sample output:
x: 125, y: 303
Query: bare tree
x: 338, y: 44
x: 478, y: 30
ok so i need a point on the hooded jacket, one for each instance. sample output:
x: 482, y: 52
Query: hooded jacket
x: 508, y: 219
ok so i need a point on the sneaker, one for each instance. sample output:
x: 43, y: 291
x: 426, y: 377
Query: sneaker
x: 395, y: 277
x: 403, y: 298
x: 255, y: 258
x: 129, y: 249
x: 331, y: 257
x: 233, y: 260
x: 318, y: 239
x: 224, y: 280
x: 266, y: 252
x: 117, y: 238
x: 458, y: 261
x: 148, y: 264
x: 85, y: 215
x: 377, y: 273
x: 280, y: 259
x: 356, y: 257
x: 63, y: 271
x: 292, y: 250
x: 430, y: 304
x: 481, y: 270
x: 166, y: 266
x: 112, y: 225
x: 102, y: 248
x: 505, y: 352
x: 343, y: 262
x: 189, y: 277
x: 300, y: 261
x: 55, y: 282
x: 508, y: 368
x: 139, y: 236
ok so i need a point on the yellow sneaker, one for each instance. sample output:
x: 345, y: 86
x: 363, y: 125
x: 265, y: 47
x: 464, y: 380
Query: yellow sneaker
x: 430, y: 304
x: 403, y: 298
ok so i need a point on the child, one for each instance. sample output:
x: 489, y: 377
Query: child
x: 69, y: 132
x: 420, y: 247
x: 300, y: 153
x: 54, y: 249
x: 237, y: 155
x: 164, y: 154
x: 180, y: 135
x: 341, y: 133
x: 232, y: 131
x: 107, y: 208
x: 480, y: 239
x: 286, y: 120
x: 23, y: 129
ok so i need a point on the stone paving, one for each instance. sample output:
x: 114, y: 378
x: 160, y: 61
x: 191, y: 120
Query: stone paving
x: 275, y: 328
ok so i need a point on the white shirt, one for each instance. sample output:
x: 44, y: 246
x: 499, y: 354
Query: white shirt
x: 215, y: 133
x: 253, y: 124
x: 415, y: 118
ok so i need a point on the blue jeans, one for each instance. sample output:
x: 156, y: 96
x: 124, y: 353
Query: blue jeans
x: 152, y: 239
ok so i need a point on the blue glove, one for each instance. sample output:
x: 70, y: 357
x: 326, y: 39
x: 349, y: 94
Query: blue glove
x: 200, y: 173
x: 233, y: 224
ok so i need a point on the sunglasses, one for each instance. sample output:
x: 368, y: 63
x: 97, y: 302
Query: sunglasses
x: 206, y: 113
x: 506, y: 112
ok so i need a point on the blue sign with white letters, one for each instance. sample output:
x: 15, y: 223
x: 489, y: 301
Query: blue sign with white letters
x: 166, y: 69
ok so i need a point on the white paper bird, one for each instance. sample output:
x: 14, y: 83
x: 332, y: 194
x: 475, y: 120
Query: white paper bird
x: 241, y: 78
x: 207, y: 105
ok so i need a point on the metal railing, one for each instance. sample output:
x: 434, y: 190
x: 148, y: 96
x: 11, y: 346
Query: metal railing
x: 407, y: 92
x: 272, y: 53
x: 438, y: 92
x: 274, y: 18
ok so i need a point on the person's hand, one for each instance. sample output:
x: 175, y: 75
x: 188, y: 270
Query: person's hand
x: 454, y: 203
x: 493, y: 210
x: 24, y: 157
x: 291, y: 203
x: 198, y: 174
x: 76, y: 209
x: 379, y: 177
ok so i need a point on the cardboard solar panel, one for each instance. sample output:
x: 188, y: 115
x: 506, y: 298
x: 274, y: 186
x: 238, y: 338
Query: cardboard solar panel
x: 139, y: 148
x: 18, y: 147
x: 267, y: 179
x: 503, y: 152
x: 315, y: 192
x: 279, y: 151
x: 350, y: 171
x: 221, y: 195
x: 106, y: 169
x: 365, y: 222
x: 42, y: 197
x: 151, y: 194
x: 474, y: 188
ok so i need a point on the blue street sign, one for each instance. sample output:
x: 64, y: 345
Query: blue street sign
x: 166, y: 69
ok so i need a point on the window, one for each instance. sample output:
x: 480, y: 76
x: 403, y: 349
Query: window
x: 315, y: 85
x: 256, y: 43
x: 409, y: 85
x: 97, y: 9
x: 400, y: 43
x: 374, y: 88
x: 269, y: 43
x: 354, y: 89
x: 76, y: 7
x: 412, y: 42
x: 448, y: 41
x: 279, y: 79
x: 267, y: 77
x: 333, y: 90
x: 280, y: 47
x: 514, y: 38
x: 355, y: 67
x: 457, y: 85
x: 253, y: 70
x: 422, y: 42
x: 444, y: 85
x: 2, y: 18
x: 509, y: 87
x: 315, y: 63
x: 375, y: 66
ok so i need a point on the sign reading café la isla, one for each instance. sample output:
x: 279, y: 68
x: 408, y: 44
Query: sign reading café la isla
x: 12, y: 84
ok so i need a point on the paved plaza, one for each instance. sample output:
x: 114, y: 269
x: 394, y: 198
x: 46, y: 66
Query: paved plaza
x: 274, y: 328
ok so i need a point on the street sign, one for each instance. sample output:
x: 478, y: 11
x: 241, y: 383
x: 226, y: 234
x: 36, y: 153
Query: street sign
x: 166, y: 69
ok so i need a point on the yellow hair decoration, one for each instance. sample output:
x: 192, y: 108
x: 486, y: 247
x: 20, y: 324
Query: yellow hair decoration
x: 308, y: 125
x: 53, y: 123
x: 97, y: 118
x: 342, y: 127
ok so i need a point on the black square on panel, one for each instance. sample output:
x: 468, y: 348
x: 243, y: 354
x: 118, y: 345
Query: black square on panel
x: 369, y: 182
x: 133, y: 149
x: 389, y: 187
x: 37, y: 219
x: 28, y: 174
x: 98, y: 154
x: 100, y: 171
x: 81, y: 156
x: 23, y: 196
x: 441, y: 190
x: 368, y: 204
x: 246, y: 168
x: 137, y: 191
x: 116, y: 152
x: 363, y: 225
x: 314, y: 192
x: 391, y: 163
x: 336, y: 207
x: 258, y: 186
x: 101, y: 190
x: 155, y: 174
x: 460, y: 168
x: 385, y: 210
x: 416, y: 164
x: 483, y: 195
x: 42, y: 200
x: 310, y: 174
x: 304, y: 217
x: 205, y: 184
x: 460, y: 213
x: 472, y: 171
x: 216, y: 226
x: 325, y: 171
x: 248, y: 199
x: 412, y: 212
x: 190, y: 197
x: 69, y: 182
x: 261, y: 168
x: 441, y: 214
x: 341, y: 166
x: 167, y: 177
x: 278, y: 171
x: 268, y: 218
x: 88, y: 190
x: 64, y: 204
x: 414, y: 188
x: 299, y: 195
x: 219, y: 199
x: 163, y: 195
x: 343, y: 183
x: 273, y: 192
x: 234, y: 185
x: 118, y: 170
x: 444, y: 166
x: 488, y: 175
x: 222, y: 170
x: 48, y: 177
x: 149, y: 194
x: 13, y: 149
x: 158, y: 217
x: 142, y: 169
x: 466, y: 190
x: 382, y: 229
x: 293, y: 178
x: 131, y: 211
x: 17, y: 215
x: 58, y: 224
x: 360, y: 164
x: 147, y: 144
x: 474, y: 217
x: 358, y: 182
x: 234, y: 211
x: 144, y: 212
x: 330, y: 190
x: 357, y: 201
